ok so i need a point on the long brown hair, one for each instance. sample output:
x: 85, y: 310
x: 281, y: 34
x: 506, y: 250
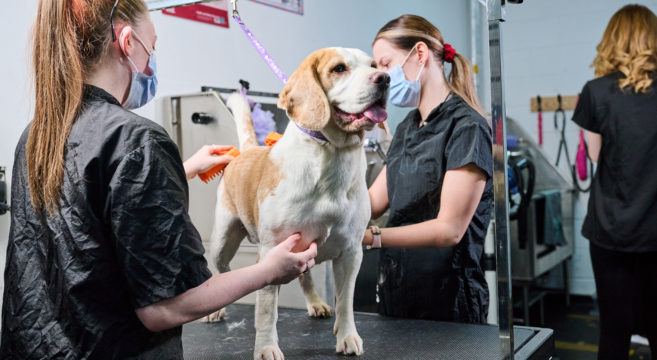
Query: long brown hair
x: 407, y: 30
x: 629, y: 45
x: 70, y: 37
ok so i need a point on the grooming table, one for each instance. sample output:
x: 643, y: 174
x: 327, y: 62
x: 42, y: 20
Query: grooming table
x: 304, y: 338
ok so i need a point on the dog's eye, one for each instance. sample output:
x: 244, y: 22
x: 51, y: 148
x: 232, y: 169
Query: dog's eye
x: 373, y: 65
x: 339, y: 68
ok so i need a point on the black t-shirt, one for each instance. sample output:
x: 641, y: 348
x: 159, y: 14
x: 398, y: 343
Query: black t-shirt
x: 440, y: 283
x: 622, y: 211
x: 122, y: 240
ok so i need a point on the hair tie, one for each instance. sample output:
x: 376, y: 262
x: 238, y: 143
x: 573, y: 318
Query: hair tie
x: 448, y: 53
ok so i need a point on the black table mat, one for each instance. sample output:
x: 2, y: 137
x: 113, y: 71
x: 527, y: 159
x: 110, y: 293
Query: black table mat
x: 302, y: 337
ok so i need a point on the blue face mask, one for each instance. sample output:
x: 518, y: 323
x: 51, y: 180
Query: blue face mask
x: 142, y: 87
x: 404, y: 93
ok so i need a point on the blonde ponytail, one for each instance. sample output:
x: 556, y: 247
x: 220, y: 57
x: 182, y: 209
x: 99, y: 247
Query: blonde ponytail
x: 461, y: 81
x: 58, y: 89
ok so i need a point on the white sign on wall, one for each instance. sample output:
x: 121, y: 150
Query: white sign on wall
x: 293, y: 6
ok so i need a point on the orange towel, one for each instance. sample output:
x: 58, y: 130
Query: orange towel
x: 272, y: 138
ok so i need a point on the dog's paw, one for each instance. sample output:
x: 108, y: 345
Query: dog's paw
x: 269, y: 353
x: 216, y: 316
x: 319, y: 310
x: 349, y: 345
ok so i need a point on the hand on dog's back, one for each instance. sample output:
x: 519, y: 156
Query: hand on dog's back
x: 284, y: 265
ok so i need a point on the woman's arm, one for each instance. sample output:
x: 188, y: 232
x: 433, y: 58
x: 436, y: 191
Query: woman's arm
x: 379, y: 195
x: 279, y: 266
x: 593, y: 143
x: 461, y: 192
x: 205, y: 159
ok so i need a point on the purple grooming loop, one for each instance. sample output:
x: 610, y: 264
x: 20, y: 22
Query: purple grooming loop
x: 261, y: 49
x: 271, y: 63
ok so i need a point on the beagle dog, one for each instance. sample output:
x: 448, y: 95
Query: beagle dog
x: 312, y: 182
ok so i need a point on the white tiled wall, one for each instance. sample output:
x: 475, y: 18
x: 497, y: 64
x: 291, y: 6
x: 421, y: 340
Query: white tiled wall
x: 548, y: 49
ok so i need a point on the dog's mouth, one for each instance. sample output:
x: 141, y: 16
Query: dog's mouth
x: 375, y: 113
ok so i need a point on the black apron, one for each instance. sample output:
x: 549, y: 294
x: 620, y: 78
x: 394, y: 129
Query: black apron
x: 440, y: 283
x: 122, y: 240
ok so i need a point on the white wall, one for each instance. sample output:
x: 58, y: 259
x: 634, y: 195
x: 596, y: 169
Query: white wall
x: 192, y: 54
x: 548, y: 49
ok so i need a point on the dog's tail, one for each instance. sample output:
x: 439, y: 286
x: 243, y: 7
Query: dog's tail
x: 246, y: 134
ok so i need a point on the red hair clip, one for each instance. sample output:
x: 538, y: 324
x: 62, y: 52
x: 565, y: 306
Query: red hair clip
x: 448, y: 53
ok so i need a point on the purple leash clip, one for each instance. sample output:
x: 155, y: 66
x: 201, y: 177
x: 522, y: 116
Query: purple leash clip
x: 261, y: 49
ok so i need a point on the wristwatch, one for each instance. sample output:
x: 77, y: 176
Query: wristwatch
x: 376, y: 237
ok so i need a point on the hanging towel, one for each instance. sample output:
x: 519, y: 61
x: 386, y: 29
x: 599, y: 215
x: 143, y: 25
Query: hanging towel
x: 553, y: 228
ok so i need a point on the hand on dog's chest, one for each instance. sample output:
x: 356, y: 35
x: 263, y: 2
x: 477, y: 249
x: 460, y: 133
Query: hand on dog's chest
x: 302, y: 245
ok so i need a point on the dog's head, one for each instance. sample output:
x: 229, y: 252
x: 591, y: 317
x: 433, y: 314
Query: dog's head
x: 339, y: 86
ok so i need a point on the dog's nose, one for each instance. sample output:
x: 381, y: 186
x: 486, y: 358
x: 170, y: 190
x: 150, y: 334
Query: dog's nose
x: 380, y: 78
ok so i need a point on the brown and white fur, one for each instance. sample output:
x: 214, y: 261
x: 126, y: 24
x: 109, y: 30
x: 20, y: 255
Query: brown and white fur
x: 308, y: 186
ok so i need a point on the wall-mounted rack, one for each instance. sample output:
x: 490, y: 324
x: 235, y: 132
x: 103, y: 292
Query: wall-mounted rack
x: 551, y: 103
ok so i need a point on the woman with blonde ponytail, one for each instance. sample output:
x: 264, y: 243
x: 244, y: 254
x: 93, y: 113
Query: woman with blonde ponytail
x: 103, y: 261
x: 618, y: 112
x: 437, y: 183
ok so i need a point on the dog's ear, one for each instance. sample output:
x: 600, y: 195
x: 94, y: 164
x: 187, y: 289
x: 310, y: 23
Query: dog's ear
x: 304, y: 98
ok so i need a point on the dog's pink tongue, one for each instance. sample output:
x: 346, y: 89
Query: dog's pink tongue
x: 376, y: 113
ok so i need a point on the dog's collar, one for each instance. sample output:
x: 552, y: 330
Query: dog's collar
x: 316, y: 134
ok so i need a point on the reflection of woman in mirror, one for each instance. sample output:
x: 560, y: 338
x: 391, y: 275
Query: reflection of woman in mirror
x: 437, y: 183
x: 618, y: 110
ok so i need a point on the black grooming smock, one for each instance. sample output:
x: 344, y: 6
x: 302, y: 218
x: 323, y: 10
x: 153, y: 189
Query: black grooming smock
x: 622, y: 210
x: 122, y: 240
x: 439, y: 283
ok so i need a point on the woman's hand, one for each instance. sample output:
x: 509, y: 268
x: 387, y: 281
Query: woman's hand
x: 283, y: 265
x: 204, y: 160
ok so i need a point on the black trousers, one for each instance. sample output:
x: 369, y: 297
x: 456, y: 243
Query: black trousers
x: 627, y: 294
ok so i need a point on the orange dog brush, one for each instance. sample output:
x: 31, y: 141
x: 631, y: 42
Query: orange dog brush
x: 207, y: 176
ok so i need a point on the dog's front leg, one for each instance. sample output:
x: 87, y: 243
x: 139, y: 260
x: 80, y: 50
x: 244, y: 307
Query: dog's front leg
x: 266, y: 315
x: 345, y: 270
